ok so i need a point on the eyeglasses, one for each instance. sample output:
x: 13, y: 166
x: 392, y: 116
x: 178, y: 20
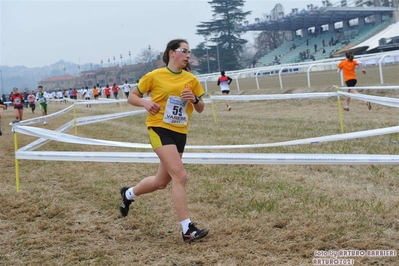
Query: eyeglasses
x: 183, y: 50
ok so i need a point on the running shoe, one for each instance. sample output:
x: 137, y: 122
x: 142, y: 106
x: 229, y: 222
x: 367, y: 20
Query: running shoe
x: 193, y: 233
x: 229, y: 108
x: 368, y: 105
x: 346, y: 109
x: 124, y: 207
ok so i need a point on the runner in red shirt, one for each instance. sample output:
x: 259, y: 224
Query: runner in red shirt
x: 107, y: 91
x: 17, y: 100
x: 75, y: 94
x: 115, y: 90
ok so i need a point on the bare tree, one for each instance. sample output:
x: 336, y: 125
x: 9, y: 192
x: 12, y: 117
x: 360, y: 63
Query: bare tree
x: 267, y: 41
x: 148, y: 58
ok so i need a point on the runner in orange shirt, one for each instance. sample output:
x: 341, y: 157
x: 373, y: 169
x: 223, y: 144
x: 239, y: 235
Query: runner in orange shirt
x: 95, y: 92
x: 348, y: 68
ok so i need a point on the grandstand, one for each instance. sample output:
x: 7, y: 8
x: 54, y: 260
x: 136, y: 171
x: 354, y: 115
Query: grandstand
x: 326, y: 32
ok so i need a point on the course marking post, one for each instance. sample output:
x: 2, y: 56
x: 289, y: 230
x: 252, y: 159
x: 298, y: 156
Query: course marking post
x: 17, y: 183
x: 341, y: 122
x: 74, y: 119
x: 213, y: 112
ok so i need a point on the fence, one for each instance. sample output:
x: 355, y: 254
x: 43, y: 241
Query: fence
x: 379, y: 59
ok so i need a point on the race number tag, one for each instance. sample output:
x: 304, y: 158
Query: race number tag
x: 175, y: 111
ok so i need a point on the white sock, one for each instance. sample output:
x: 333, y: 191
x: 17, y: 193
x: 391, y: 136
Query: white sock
x: 130, y: 194
x: 185, y: 224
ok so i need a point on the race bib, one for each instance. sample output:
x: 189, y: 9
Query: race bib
x: 17, y: 101
x: 175, y: 111
x: 42, y: 99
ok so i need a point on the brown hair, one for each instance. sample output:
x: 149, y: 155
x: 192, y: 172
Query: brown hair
x: 349, y: 56
x: 173, y: 45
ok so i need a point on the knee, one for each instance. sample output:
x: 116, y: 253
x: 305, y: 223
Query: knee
x: 162, y: 185
x: 181, y: 180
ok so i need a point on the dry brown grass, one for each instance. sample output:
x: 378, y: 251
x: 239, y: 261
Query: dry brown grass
x: 67, y: 212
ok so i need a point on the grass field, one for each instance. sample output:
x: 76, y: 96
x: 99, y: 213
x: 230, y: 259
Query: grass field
x: 67, y: 213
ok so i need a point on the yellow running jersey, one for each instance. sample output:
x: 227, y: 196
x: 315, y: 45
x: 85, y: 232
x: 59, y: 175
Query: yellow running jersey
x: 166, y: 87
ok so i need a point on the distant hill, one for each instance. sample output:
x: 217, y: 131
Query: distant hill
x: 27, y: 78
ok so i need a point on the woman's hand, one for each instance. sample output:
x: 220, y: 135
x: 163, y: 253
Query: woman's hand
x: 188, y: 95
x: 152, y: 108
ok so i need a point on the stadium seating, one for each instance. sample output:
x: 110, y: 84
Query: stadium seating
x: 343, y: 40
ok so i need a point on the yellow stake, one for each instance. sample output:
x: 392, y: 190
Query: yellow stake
x: 16, y: 162
x: 340, y: 111
x: 213, y: 112
x: 74, y: 119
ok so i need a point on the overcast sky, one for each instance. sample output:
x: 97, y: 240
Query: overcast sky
x: 38, y: 33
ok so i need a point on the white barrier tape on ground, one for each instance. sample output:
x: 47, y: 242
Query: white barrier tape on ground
x: 57, y: 136
x: 99, y: 118
x: 43, y: 118
x: 373, y: 88
x: 213, y: 158
x: 317, y: 140
x: 40, y: 142
x: 94, y: 102
x: 62, y: 137
x: 274, y: 96
x: 373, y: 99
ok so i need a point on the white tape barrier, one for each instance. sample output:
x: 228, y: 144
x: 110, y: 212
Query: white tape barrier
x: 213, y: 158
x: 62, y: 137
x: 100, y: 101
x: 44, y: 118
x: 40, y: 142
x: 367, y: 98
x: 100, y: 118
x: 274, y: 96
x: 373, y: 99
x: 373, y: 88
x: 79, y: 121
